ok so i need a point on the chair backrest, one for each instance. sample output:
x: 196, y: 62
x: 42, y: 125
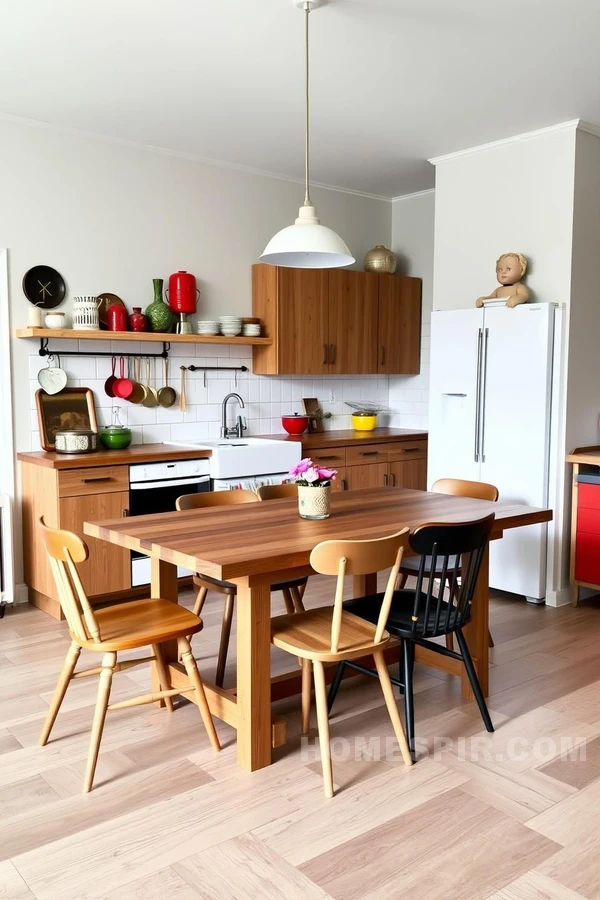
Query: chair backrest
x: 446, y: 605
x: 64, y: 550
x: 277, y: 491
x: 476, y: 490
x: 343, y: 558
x: 215, y: 498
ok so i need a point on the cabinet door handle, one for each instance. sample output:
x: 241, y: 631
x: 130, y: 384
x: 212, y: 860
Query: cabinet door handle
x: 95, y: 480
x: 332, y: 349
x: 324, y: 458
x: 343, y: 484
x: 382, y: 361
x: 369, y: 453
x: 324, y: 354
x: 385, y: 480
x: 410, y: 450
x: 124, y: 513
x: 393, y: 477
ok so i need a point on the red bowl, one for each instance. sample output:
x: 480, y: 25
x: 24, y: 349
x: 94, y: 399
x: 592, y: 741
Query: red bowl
x: 295, y: 424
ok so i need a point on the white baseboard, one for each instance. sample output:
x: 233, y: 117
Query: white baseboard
x: 559, y: 598
x: 21, y: 593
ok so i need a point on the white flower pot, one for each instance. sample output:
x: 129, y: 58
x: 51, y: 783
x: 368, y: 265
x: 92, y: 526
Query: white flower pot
x: 314, y: 502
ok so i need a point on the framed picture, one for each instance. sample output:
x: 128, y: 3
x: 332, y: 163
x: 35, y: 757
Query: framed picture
x: 71, y: 408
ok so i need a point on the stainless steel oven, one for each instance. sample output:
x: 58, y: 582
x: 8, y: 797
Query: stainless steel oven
x: 154, y: 488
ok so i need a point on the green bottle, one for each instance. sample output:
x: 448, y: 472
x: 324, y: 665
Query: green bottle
x: 160, y: 317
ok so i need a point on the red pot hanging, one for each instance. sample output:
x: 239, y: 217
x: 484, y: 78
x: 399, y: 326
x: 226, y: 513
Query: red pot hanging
x: 182, y: 293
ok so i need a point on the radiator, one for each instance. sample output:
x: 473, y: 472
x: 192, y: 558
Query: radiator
x: 7, y: 586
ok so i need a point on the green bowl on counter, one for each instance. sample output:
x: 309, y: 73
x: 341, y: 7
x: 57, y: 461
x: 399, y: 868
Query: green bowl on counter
x: 114, y: 438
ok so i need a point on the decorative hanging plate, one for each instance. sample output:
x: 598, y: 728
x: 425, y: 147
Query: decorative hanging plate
x: 44, y: 287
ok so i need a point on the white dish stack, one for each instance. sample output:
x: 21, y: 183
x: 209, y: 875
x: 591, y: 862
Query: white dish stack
x: 207, y: 327
x: 230, y: 325
x: 85, y: 314
x: 252, y: 329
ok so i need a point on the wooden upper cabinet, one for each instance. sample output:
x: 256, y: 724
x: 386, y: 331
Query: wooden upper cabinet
x: 353, y: 315
x: 399, y: 325
x: 336, y: 321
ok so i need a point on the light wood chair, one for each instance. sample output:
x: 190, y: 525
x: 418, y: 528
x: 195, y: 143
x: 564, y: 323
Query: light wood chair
x: 458, y: 487
x: 111, y: 630
x: 330, y: 634
x: 204, y: 583
x: 285, y: 492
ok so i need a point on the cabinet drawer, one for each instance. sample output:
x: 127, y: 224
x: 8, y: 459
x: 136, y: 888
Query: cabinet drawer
x: 588, y: 496
x: 407, y: 450
x: 95, y: 480
x: 587, y: 558
x: 330, y: 458
x: 588, y: 520
x: 366, y: 453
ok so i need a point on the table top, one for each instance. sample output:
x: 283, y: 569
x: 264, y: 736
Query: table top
x: 257, y: 538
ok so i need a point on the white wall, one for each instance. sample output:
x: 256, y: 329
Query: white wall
x: 412, y: 241
x: 112, y: 216
x: 516, y: 196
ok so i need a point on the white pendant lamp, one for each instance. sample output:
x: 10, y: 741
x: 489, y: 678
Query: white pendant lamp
x: 307, y: 244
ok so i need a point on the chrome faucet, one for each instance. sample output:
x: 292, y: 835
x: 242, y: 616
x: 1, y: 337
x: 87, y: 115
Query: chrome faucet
x: 240, y: 426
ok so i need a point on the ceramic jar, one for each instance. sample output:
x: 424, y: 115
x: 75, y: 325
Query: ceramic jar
x: 160, y: 317
x: 314, y: 502
x: 116, y: 318
x: 55, y: 320
x: 34, y: 317
x: 137, y: 320
x: 85, y: 314
x: 381, y: 260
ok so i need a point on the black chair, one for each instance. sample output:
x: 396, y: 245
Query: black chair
x: 417, y: 616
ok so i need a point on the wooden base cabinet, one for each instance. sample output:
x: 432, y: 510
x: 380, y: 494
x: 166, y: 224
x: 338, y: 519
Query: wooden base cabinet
x: 360, y: 466
x: 66, y: 499
x: 336, y: 321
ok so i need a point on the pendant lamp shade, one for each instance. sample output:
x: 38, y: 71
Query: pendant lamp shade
x: 307, y: 244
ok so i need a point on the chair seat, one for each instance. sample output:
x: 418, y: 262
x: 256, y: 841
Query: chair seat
x: 228, y: 587
x: 308, y: 635
x: 399, y: 621
x: 140, y: 623
x: 410, y: 565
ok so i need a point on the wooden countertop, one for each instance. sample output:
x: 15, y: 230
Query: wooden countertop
x: 586, y: 455
x: 343, y: 438
x: 137, y: 453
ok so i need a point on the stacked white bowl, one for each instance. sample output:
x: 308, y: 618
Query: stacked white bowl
x: 207, y: 327
x: 251, y: 329
x: 230, y: 325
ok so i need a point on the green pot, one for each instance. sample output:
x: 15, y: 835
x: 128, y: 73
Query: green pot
x: 115, y: 438
x: 160, y: 317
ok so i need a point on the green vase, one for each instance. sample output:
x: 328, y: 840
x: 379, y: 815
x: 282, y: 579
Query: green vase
x: 159, y: 314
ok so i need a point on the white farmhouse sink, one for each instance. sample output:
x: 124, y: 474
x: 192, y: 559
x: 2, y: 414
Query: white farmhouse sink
x: 246, y: 457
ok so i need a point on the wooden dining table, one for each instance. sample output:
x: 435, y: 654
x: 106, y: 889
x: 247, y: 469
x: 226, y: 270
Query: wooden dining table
x: 258, y: 544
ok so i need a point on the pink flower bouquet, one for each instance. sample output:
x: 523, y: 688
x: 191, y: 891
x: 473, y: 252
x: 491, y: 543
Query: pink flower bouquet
x: 307, y: 474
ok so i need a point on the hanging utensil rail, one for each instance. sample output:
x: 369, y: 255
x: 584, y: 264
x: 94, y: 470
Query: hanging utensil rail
x: 46, y: 351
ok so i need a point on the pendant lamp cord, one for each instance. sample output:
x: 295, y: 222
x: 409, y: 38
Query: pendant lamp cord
x: 306, y: 121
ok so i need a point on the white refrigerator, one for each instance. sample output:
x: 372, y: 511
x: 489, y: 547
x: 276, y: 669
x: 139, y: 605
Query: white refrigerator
x: 490, y: 420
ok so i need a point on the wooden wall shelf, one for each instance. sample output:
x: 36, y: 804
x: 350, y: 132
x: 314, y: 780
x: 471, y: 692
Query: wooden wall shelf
x: 150, y: 337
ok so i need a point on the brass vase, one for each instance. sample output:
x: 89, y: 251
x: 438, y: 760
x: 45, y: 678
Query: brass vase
x: 380, y: 259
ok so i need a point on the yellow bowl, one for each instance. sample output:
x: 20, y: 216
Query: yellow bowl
x: 364, y: 423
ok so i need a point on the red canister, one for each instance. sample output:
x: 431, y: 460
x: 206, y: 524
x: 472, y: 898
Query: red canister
x: 182, y: 293
x: 116, y: 318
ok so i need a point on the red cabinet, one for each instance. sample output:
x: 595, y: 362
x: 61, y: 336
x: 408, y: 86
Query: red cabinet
x: 587, y: 536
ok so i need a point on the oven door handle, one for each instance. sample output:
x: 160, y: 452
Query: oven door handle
x: 173, y: 482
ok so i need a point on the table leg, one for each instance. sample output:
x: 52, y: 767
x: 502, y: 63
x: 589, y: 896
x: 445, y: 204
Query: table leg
x: 365, y: 584
x: 476, y: 631
x: 253, y: 605
x: 163, y: 585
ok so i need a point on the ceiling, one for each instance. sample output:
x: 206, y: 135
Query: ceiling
x: 394, y: 82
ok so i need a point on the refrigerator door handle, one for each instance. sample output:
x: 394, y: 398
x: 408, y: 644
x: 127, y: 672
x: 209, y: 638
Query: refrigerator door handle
x: 478, y: 394
x: 484, y: 392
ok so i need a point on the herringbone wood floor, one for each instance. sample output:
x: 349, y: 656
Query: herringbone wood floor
x: 478, y: 818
